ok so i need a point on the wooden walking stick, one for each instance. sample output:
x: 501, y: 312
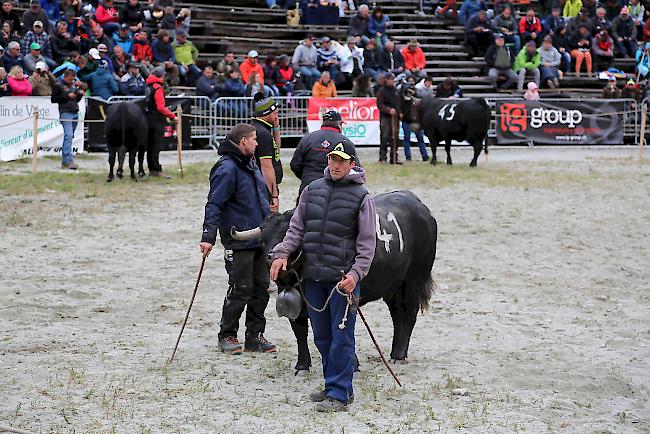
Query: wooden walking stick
x: 35, y: 142
x: 187, y: 315
x: 393, y: 141
x: 644, y: 117
x: 374, y: 341
x: 179, y: 136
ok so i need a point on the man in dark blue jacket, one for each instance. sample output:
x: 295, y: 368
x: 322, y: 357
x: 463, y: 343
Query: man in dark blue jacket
x: 238, y: 199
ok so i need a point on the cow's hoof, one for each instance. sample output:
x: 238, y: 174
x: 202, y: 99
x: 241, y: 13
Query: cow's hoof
x: 398, y: 361
x: 301, y: 372
x: 141, y: 174
x: 434, y: 162
x: 133, y: 178
x: 449, y: 163
x: 472, y: 164
x: 109, y: 179
x: 120, y: 175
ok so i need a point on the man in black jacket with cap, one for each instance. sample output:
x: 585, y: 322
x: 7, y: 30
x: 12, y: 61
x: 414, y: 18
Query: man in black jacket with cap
x: 388, y: 104
x: 310, y: 158
x: 267, y: 154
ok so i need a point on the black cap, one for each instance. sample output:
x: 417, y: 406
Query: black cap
x: 332, y: 115
x: 344, y: 150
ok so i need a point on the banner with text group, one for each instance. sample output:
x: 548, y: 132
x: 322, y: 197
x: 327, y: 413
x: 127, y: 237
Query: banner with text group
x: 17, y: 127
x: 560, y: 122
x: 361, y: 117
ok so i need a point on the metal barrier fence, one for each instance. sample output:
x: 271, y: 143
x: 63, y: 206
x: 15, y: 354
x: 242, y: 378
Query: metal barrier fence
x: 212, y: 120
x: 231, y: 111
x: 201, y: 116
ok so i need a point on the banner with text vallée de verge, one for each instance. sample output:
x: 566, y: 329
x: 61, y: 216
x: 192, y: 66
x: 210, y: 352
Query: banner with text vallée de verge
x: 16, y: 140
x: 361, y: 117
x: 560, y: 122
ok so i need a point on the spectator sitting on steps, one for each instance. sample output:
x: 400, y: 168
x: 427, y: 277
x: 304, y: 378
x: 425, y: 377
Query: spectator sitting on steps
x: 499, y: 60
x: 527, y: 62
x: 324, y: 88
x: 304, y: 60
x: 414, y: 60
x: 207, y: 84
x: 611, y: 90
x: 448, y: 89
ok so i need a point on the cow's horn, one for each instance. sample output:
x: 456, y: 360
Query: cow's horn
x: 250, y: 234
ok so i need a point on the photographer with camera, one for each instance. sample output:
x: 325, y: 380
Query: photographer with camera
x: 67, y: 94
x: 407, y: 98
x: 42, y: 80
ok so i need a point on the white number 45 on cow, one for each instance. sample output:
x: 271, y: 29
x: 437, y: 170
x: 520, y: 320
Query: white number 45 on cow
x: 447, y: 116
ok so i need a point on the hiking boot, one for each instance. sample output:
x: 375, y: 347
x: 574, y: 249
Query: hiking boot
x: 317, y: 396
x: 259, y: 344
x: 70, y: 165
x: 230, y: 345
x: 331, y: 405
x: 556, y: 82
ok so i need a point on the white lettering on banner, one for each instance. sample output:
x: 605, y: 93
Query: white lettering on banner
x: 352, y: 110
x: 540, y: 116
x: 387, y: 237
x: 443, y: 112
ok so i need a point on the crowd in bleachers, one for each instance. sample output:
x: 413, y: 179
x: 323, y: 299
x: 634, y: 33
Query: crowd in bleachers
x: 112, y: 50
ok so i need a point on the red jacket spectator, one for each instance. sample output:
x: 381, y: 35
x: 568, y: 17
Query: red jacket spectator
x: 19, y: 87
x: 249, y: 66
x: 525, y: 26
x: 413, y: 59
x: 84, y: 30
x: 106, y: 13
x: 141, y: 49
x: 159, y: 96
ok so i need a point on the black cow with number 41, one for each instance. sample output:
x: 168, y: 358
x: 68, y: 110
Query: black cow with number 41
x: 446, y: 120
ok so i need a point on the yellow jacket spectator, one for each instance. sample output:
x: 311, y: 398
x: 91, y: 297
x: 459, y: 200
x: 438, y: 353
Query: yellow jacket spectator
x: 186, y: 54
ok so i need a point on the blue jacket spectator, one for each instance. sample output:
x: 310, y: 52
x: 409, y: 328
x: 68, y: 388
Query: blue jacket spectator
x: 378, y: 24
x: 207, y: 84
x: 162, y: 51
x: 12, y: 56
x: 124, y: 39
x: 469, y: 8
x: 234, y: 86
x: 102, y: 82
x: 51, y: 8
x: 553, y: 21
x: 132, y: 83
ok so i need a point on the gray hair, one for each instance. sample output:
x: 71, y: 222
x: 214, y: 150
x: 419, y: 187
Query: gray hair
x: 364, y: 7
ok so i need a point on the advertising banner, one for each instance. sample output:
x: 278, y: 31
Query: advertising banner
x: 361, y: 117
x: 16, y: 121
x: 560, y: 122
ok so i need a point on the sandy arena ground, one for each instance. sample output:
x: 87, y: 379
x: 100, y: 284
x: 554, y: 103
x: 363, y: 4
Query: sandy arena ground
x: 540, y: 323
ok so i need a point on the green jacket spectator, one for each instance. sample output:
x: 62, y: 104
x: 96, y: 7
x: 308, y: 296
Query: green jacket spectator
x: 185, y: 51
x: 526, y: 61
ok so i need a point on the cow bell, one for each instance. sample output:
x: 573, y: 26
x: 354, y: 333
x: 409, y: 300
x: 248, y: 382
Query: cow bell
x: 289, y: 303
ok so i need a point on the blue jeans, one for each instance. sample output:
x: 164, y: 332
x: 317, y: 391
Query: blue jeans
x: 111, y: 28
x: 336, y: 346
x: 68, y: 135
x: 311, y: 75
x: 567, y: 62
x: 373, y: 73
x: 406, y: 127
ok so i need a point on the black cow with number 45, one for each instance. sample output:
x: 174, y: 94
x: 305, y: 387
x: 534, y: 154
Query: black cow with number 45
x: 447, y: 120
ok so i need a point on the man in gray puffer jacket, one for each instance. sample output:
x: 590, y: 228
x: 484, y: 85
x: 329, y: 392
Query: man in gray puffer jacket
x: 550, y: 59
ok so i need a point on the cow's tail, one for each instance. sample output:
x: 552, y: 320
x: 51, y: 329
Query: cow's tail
x: 488, y: 119
x: 427, y: 292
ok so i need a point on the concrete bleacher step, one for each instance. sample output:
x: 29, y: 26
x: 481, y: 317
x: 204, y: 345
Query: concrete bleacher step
x: 273, y: 31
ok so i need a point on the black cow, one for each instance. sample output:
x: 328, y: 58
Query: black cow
x: 400, y: 273
x: 125, y: 128
x: 453, y: 120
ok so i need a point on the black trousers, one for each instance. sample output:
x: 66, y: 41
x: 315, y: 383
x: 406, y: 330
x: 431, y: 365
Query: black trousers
x: 155, y: 135
x: 248, y: 283
x: 386, y: 137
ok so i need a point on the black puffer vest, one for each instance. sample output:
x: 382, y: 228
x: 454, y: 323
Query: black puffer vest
x: 330, y: 238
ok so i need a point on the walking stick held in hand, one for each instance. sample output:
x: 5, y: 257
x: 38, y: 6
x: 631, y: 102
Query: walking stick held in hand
x: 393, y: 141
x: 187, y: 315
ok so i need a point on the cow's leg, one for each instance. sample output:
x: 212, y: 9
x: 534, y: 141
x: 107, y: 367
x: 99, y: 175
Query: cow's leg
x: 141, y: 150
x: 120, y: 161
x: 132, y: 152
x: 477, y: 151
x: 403, y: 308
x: 448, y: 150
x: 111, y: 163
x: 433, y: 143
x: 300, y: 328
